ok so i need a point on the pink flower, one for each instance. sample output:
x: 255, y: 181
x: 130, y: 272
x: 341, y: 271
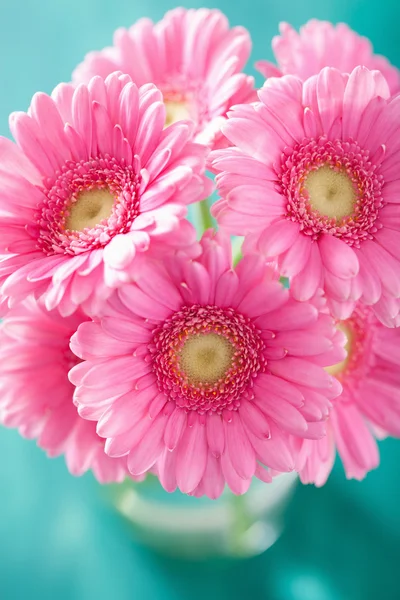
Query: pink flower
x: 192, y: 56
x: 321, y: 44
x: 36, y: 396
x: 202, y: 371
x: 314, y: 182
x: 368, y: 406
x: 93, y: 181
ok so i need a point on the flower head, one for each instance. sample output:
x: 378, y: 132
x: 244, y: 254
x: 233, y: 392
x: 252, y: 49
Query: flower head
x: 92, y: 183
x: 321, y: 44
x: 313, y: 183
x: 192, y: 56
x: 369, y: 405
x: 201, y: 371
x: 36, y: 395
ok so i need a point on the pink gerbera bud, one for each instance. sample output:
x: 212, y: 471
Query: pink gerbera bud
x: 92, y: 183
x: 313, y: 182
x: 36, y: 395
x: 192, y: 56
x: 321, y: 44
x: 368, y: 406
x: 202, y: 372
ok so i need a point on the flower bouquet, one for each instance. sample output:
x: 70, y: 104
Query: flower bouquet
x: 136, y: 348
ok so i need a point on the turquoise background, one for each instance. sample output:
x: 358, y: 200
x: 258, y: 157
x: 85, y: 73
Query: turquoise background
x: 58, y: 537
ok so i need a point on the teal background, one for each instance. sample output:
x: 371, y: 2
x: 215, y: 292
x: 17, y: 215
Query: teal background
x: 59, y: 539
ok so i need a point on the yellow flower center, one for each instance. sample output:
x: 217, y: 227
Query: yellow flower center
x: 339, y: 367
x: 331, y: 192
x: 205, y: 358
x: 90, y: 208
x: 176, y: 111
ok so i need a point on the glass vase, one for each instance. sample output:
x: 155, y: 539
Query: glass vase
x: 188, y: 527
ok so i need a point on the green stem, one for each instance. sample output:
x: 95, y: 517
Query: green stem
x: 237, y: 249
x: 206, y: 221
x: 241, y: 523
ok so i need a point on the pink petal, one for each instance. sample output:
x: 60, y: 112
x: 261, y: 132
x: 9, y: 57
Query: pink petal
x: 338, y: 257
x: 122, y: 444
x: 360, y: 89
x: 141, y: 304
x: 386, y: 266
x: 354, y: 441
x: 278, y: 237
x: 215, y: 434
x: 96, y: 343
x: 292, y: 316
x: 116, y: 370
x: 264, y: 298
x: 330, y: 90
x: 274, y: 453
x: 144, y: 455
x: 294, y: 260
x: 237, y: 484
x: 226, y: 289
x: 337, y: 288
x: 369, y: 280
x: 125, y: 331
x: 119, y: 252
x: 149, y: 130
x: 279, y: 387
x: 174, y: 428
x: 250, y: 136
x: 282, y: 98
x: 305, y: 284
x: 255, y: 420
x: 167, y: 470
x: 389, y: 239
x: 297, y: 370
x: 284, y: 414
x: 13, y: 161
x: 114, y: 421
x: 213, y: 479
x: 153, y: 279
x: 191, y: 457
x: 44, y: 111
x: 301, y: 343
x: 239, y: 448
x: 267, y: 69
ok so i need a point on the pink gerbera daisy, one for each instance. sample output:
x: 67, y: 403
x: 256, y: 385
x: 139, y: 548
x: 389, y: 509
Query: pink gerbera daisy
x: 321, y: 44
x: 192, y: 56
x: 368, y: 406
x: 209, y: 369
x: 314, y: 182
x: 36, y: 395
x: 93, y: 181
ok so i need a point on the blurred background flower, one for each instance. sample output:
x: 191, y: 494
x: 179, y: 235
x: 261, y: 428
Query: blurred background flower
x: 58, y: 537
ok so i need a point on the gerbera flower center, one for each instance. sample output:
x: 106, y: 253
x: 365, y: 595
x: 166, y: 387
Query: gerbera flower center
x: 87, y: 204
x: 331, y: 192
x: 89, y: 209
x: 206, y: 357
x: 176, y: 110
x: 358, y: 334
x: 332, y: 187
x: 339, y: 367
